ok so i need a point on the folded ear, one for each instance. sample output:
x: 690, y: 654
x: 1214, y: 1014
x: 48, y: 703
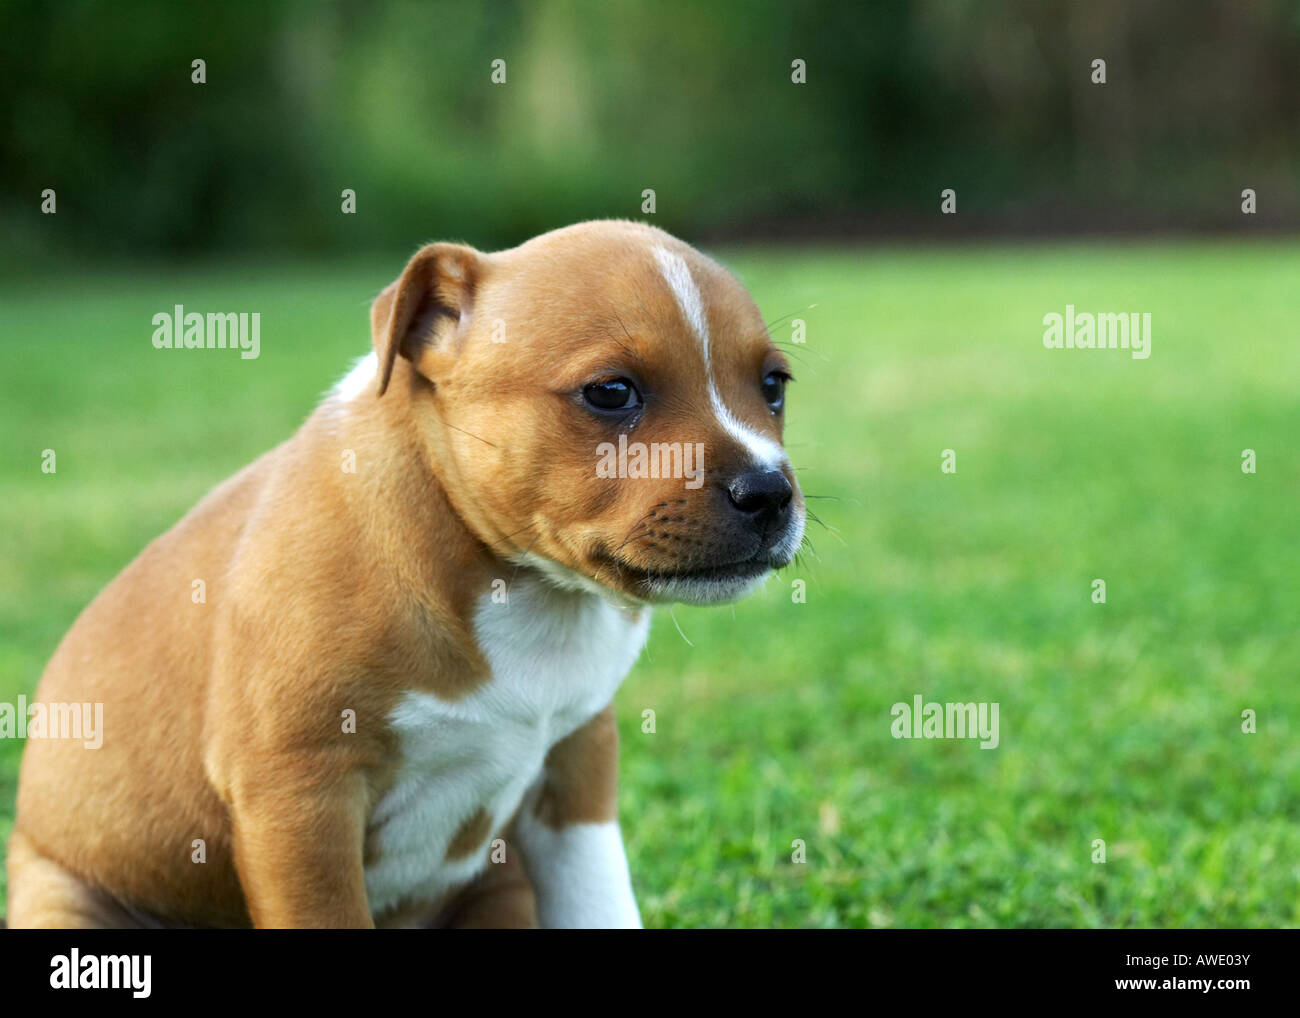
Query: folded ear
x: 424, y: 307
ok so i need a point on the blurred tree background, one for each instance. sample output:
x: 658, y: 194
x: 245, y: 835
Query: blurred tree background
x: 604, y: 99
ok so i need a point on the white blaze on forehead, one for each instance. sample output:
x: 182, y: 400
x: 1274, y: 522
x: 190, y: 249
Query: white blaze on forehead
x: 682, y: 283
x: 677, y: 273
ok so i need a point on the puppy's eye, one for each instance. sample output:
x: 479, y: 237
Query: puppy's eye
x: 774, y: 389
x: 612, y: 396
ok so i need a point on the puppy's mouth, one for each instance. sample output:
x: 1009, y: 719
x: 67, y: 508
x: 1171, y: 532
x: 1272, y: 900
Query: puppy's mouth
x: 696, y: 585
x: 730, y: 571
x: 691, y: 583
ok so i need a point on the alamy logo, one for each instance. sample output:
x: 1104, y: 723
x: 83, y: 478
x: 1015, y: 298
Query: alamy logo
x: 921, y: 720
x: 1084, y: 330
x: 38, y: 720
x: 75, y: 971
x: 229, y: 330
x: 658, y: 459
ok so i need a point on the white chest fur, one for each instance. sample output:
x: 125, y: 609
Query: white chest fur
x: 556, y: 656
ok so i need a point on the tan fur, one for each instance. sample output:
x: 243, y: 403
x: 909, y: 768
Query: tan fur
x: 581, y: 781
x: 329, y: 592
x: 470, y: 836
x: 501, y: 898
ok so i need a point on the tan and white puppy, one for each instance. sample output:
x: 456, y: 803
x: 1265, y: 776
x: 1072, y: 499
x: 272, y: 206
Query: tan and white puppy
x: 418, y: 610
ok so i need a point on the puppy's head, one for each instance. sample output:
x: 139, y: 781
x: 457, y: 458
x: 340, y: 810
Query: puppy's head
x: 603, y: 403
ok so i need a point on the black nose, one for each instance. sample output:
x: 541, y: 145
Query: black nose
x: 763, y: 495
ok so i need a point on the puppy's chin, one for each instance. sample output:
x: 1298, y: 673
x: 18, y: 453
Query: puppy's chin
x: 630, y: 588
x: 699, y: 585
x: 695, y: 589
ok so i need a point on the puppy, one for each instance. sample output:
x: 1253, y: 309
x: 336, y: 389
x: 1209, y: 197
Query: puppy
x: 392, y: 705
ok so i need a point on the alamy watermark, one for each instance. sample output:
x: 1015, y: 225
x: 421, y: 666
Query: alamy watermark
x: 656, y: 459
x: 921, y: 720
x: 39, y: 720
x: 1084, y: 330
x: 216, y: 330
x: 77, y: 971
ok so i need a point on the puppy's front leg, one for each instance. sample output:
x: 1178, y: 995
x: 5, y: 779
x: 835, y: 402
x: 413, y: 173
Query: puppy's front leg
x: 298, y: 851
x: 569, y: 835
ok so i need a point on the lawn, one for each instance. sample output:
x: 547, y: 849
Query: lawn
x: 1119, y: 721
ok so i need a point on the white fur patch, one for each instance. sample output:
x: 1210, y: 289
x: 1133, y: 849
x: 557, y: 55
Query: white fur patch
x: 556, y: 656
x: 677, y: 274
x: 765, y: 452
x: 579, y: 874
x: 362, y: 375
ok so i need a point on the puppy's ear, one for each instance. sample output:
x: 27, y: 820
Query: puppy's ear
x: 424, y: 307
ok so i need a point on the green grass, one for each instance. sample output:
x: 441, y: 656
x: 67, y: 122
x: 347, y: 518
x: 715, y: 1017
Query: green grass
x: 1119, y: 721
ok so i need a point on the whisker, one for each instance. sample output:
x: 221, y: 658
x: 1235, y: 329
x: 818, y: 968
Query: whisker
x: 673, y: 613
x: 493, y: 544
x: 778, y: 321
x: 623, y: 346
x: 471, y: 435
x: 832, y: 531
x: 796, y: 352
x: 632, y: 532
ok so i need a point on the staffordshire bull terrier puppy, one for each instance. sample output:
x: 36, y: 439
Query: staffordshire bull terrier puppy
x: 393, y: 706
